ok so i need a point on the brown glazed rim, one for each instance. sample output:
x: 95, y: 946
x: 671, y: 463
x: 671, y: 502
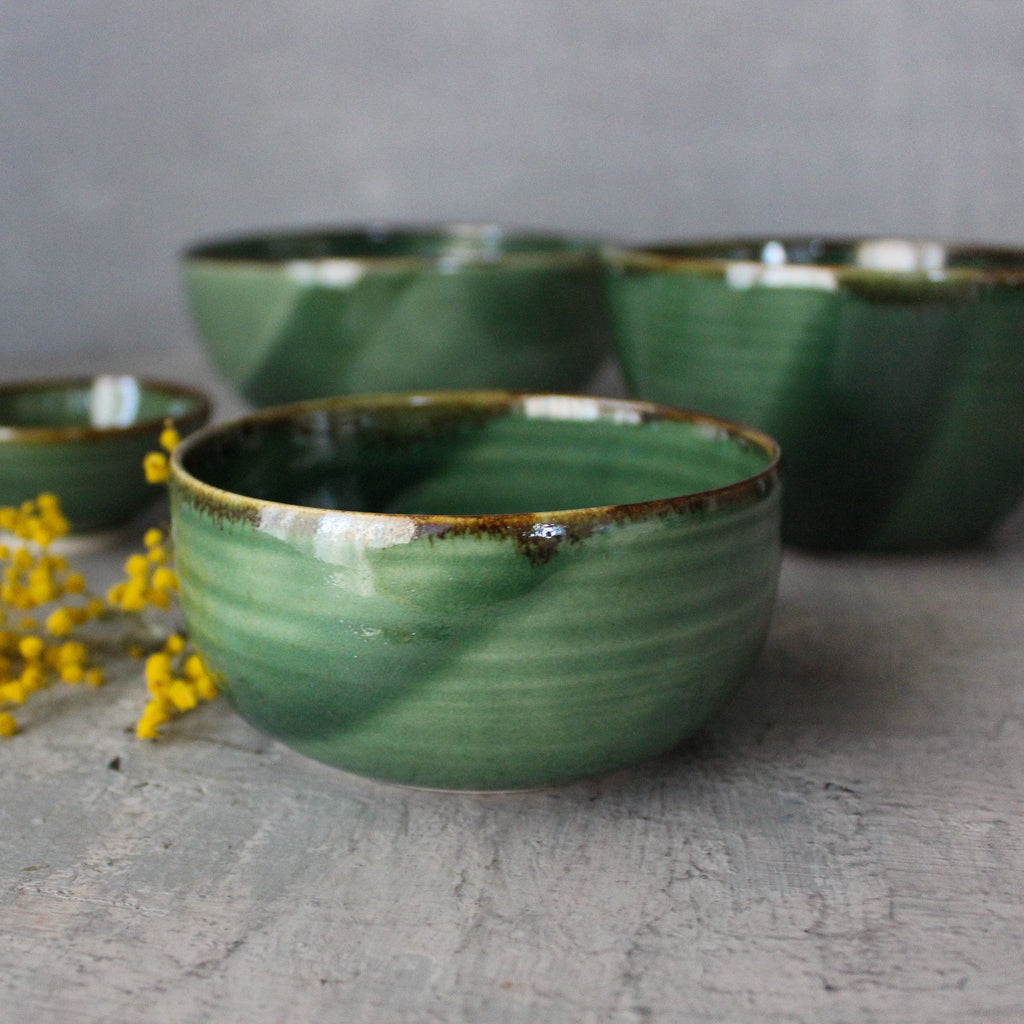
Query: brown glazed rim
x: 529, y: 246
x: 579, y: 522
x: 197, y: 414
x: 966, y: 261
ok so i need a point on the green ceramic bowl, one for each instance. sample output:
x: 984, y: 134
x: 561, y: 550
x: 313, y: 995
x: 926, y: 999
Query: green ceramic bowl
x: 375, y: 581
x: 84, y: 440
x: 307, y: 314
x: 891, y: 372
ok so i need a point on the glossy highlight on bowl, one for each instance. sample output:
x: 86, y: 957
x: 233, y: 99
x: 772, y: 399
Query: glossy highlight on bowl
x: 84, y: 439
x: 477, y: 590
x: 307, y: 313
x: 891, y: 371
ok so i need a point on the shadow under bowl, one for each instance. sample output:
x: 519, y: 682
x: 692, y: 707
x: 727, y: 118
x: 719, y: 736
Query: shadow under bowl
x: 386, y: 583
x: 312, y: 313
x: 890, y: 371
x: 85, y: 439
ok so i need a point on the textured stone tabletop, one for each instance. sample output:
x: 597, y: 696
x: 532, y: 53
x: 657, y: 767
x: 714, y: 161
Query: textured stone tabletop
x: 845, y: 843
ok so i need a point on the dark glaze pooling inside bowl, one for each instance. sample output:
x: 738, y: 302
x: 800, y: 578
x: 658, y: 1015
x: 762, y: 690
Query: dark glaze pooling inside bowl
x: 881, y: 254
x: 493, y: 467
x: 477, y: 243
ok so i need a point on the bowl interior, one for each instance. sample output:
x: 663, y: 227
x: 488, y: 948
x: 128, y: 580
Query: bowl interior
x: 475, y: 457
x: 889, y: 255
x: 428, y: 244
x: 103, y: 403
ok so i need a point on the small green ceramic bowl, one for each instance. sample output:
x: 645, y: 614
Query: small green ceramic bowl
x: 890, y: 371
x: 84, y: 440
x: 375, y: 581
x: 305, y: 314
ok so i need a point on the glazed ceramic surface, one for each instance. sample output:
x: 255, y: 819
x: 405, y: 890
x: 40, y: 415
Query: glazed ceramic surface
x: 318, y: 313
x: 376, y: 581
x: 891, y: 373
x: 84, y: 440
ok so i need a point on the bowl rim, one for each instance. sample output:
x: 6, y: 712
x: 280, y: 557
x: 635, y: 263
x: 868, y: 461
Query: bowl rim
x: 540, y: 246
x: 223, y: 503
x: 198, y: 412
x: 1006, y: 264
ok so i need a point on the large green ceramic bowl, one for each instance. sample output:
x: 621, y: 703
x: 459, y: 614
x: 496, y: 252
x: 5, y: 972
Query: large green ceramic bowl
x: 307, y: 314
x: 386, y: 585
x: 891, y: 372
x: 85, y: 439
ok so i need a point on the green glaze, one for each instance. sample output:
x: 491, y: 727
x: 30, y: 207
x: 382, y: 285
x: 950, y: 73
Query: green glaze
x: 891, y: 373
x: 303, y: 315
x: 375, y: 582
x: 85, y: 440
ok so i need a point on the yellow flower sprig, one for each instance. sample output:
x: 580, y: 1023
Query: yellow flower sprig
x: 39, y: 586
x: 176, y: 678
x: 155, y: 464
x: 42, y: 602
x: 177, y: 681
x: 150, y: 581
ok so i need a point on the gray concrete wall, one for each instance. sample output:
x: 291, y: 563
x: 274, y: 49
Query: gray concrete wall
x: 129, y: 128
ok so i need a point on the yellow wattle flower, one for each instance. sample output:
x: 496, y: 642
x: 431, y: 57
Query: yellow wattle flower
x: 60, y: 623
x: 169, y: 438
x: 40, y: 587
x: 157, y: 468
